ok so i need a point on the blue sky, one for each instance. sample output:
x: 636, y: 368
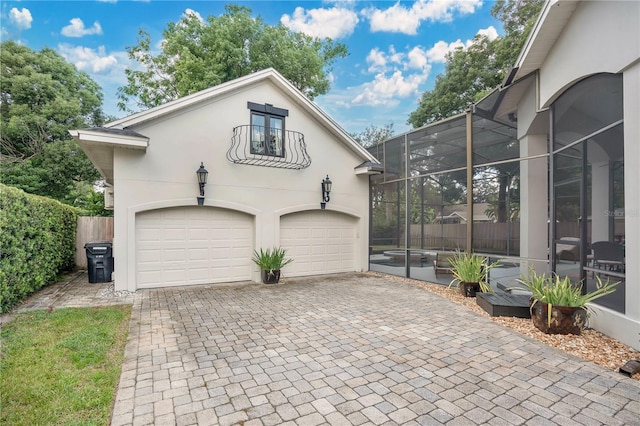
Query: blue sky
x: 396, y: 49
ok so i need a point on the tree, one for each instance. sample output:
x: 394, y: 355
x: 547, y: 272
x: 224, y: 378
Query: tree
x: 92, y: 203
x: 41, y: 98
x: 60, y: 171
x: 198, y: 54
x: 373, y: 135
x: 472, y: 72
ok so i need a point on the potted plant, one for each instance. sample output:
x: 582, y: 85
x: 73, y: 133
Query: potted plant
x: 271, y: 261
x: 470, y: 273
x: 558, y: 305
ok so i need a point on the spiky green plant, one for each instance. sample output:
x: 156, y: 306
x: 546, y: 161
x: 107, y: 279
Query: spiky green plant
x: 271, y: 259
x: 471, y: 268
x: 556, y: 291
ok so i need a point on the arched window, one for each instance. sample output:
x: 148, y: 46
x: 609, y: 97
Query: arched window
x: 587, y: 169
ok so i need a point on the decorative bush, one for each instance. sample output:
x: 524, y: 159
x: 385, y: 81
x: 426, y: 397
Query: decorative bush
x: 471, y: 268
x: 37, y: 245
x: 271, y: 259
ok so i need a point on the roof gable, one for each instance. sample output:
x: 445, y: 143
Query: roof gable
x: 229, y: 87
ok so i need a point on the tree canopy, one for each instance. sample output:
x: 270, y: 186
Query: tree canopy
x: 472, y: 72
x: 373, y: 135
x: 42, y: 97
x: 197, y: 54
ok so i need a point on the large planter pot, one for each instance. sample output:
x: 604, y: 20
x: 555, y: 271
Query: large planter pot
x: 564, y: 319
x: 469, y: 289
x: 270, y: 277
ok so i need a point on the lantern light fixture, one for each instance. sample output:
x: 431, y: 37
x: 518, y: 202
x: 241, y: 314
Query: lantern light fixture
x: 326, y: 190
x: 202, y: 174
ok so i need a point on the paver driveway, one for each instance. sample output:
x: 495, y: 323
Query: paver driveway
x: 349, y: 349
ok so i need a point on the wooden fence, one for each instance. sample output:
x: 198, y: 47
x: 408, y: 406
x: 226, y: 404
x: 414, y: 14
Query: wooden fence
x: 90, y: 229
x: 503, y: 238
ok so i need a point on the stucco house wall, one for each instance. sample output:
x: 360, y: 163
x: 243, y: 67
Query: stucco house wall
x: 597, y: 37
x: 601, y: 36
x: 163, y: 177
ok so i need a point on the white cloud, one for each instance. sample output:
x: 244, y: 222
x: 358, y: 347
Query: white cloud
x: 76, y: 28
x: 377, y: 60
x: 439, y: 50
x: 417, y: 58
x: 87, y: 59
x: 384, y: 90
x: 401, y: 19
x: 191, y: 12
x: 491, y: 33
x: 391, y: 60
x: 335, y: 23
x: 20, y: 18
x: 398, y: 74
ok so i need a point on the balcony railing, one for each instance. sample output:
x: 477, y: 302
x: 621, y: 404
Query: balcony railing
x: 288, y: 153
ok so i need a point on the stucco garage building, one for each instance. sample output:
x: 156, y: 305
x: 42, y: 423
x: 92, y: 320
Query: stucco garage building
x: 267, y: 149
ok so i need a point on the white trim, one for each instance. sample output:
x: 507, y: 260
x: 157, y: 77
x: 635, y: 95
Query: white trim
x: 308, y: 207
x: 91, y: 137
x: 552, y: 19
x: 614, y: 324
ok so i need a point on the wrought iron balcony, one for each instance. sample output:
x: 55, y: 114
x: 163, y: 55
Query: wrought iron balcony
x: 283, y: 149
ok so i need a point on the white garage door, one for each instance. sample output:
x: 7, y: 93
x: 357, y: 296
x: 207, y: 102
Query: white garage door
x: 193, y: 245
x: 319, y: 242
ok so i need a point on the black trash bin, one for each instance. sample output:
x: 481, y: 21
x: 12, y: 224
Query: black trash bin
x: 99, y: 261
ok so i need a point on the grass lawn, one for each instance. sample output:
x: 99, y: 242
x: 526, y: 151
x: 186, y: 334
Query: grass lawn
x: 62, y: 367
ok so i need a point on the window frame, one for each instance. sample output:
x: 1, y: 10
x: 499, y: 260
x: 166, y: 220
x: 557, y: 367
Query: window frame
x: 268, y: 113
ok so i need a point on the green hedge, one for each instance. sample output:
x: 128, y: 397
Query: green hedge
x: 37, y: 243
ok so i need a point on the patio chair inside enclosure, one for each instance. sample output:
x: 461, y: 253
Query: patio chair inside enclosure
x: 608, y: 255
x: 569, y: 251
x: 441, y: 264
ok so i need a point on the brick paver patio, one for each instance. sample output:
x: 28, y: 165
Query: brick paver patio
x: 347, y: 350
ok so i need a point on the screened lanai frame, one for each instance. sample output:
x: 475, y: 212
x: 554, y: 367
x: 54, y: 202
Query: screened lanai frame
x: 587, y: 182
x: 437, y: 213
x: 420, y: 205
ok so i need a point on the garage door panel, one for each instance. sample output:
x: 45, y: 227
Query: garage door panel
x: 198, y: 254
x: 320, y: 242
x: 174, y: 233
x: 149, y: 234
x: 200, y: 233
x: 318, y: 233
x: 193, y: 245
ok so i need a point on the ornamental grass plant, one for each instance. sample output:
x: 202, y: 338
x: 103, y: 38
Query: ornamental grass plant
x: 557, y: 291
x: 471, y: 268
x: 561, y: 291
x: 271, y: 259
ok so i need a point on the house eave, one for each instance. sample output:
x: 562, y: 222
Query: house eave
x: 553, y: 18
x: 369, y: 168
x: 117, y: 139
x: 99, y: 144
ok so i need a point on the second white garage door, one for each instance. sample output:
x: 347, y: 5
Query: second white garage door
x: 319, y: 242
x: 193, y: 245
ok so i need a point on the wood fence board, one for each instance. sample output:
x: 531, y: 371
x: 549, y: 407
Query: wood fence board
x: 90, y: 229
